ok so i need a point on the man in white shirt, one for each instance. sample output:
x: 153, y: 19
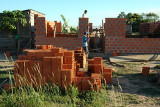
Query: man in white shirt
x: 85, y: 14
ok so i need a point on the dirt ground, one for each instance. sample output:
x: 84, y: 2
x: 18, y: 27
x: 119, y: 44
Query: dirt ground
x: 127, y: 80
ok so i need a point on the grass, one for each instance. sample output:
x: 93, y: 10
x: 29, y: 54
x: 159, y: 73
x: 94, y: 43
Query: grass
x: 110, y: 95
x: 51, y: 95
x: 157, y: 67
x: 55, y: 96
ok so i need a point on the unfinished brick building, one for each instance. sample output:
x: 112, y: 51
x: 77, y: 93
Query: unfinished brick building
x: 59, y: 56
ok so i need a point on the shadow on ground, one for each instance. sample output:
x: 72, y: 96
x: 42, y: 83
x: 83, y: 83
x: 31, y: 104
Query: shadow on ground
x: 137, y: 84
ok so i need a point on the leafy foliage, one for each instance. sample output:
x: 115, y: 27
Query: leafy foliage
x: 134, y: 19
x: 73, y: 29
x: 65, y: 25
x: 122, y: 15
x: 66, y: 28
x: 10, y: 21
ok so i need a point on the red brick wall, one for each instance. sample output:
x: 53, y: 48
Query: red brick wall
x: 71, y: 42
x: 148, y: 28
x: 115, y: 39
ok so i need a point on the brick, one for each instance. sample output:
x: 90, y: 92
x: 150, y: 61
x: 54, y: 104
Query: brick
x: 21, y: 68
x: 97, y: 81
x: 22, y: 57
x: 69, y: 53
x: 77, y: 67
x: 57, y: 63
x: 68, y: 60
x: 107, y: 74
x: 16, y: 73
x: 90, y: 61
x: 86, y: 83
x: 58, y: 54
x: 47, y: 66
x: 56, y: 50
x: 77, y: 81
x: 96, y: 75
x: 44, y: 47
x: 7, y: 87
x: 48, y: 54
x: 67, y: 66
x: 97, y: 60
x: 79, y: 48
x: 145, y: 71
x: 67, y: 78
x: 8, y: 54
x: 80, y: 74
x: 98, y: 68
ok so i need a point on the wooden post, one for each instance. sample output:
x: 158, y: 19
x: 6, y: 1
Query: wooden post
x: 154, y: 26
x: 18, y: 47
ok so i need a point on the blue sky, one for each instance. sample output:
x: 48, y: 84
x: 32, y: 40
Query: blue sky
x: 73, y: 9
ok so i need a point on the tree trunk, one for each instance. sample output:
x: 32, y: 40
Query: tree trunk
x: 18, y: 42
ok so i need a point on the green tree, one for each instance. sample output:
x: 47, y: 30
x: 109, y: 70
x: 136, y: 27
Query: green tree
x: 152, y: 16
x: 122, y: 15
x: 11, y: 21
x: 149, y: 17
x: 135, y: 19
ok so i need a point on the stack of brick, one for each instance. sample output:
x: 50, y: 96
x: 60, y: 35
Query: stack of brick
x: 80, y: 57
x: 95, y: 66
x: 51, y: 63
x: 48, y: 64
x: 85, y: 83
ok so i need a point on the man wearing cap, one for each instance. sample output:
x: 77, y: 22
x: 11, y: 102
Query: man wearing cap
x: 85, y: 40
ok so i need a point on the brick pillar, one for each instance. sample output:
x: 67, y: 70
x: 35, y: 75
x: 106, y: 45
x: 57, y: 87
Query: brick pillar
x: 83, y: 26
x: 40, y: 26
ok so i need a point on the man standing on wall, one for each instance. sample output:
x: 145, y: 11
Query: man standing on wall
x: 85, y: 40
x: 85, y: 14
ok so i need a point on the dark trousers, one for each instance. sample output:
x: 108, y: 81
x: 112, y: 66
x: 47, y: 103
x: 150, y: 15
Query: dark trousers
x: 86, y: 50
